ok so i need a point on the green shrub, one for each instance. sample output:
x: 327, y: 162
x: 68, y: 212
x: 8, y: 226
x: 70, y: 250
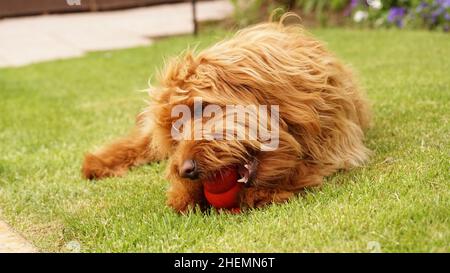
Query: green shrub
x: 431, y: 14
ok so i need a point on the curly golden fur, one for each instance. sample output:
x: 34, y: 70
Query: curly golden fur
x: 322, y: 115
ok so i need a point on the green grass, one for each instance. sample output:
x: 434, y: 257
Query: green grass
x: 51, y: 113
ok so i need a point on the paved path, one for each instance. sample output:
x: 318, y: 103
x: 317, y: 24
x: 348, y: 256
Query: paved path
x: 11, y: 241
x: 26, y: 40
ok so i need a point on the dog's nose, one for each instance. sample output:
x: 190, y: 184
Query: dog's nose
x: 189, y: 169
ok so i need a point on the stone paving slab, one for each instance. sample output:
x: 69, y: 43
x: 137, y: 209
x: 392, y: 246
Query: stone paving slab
x: 12, y: 242
x: 26, y: 40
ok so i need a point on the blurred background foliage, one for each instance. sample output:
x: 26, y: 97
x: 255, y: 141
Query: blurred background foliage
x: 428, y: 14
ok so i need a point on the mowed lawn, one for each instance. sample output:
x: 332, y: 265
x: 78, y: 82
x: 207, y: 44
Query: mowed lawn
x: 51, y: 113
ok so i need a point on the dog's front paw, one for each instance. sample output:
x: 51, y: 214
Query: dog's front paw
x: 180, y: 202
x: 96, y: 168
x: 183, y: 199
x: 180, y: 205
x: 255, y: 197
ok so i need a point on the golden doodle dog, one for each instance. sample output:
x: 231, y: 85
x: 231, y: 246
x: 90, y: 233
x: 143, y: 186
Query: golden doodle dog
x: 320, y: 119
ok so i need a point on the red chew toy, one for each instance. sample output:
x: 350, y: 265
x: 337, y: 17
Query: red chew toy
x: 222, y: 191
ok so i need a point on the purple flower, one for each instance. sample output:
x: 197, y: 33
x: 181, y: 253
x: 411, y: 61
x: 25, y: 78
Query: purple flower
x: 396, y: 15
x: 443, y: 3
x: 421, y: 7
x: 447, y: 16
x: 353, y: 4
x: 437, y: 12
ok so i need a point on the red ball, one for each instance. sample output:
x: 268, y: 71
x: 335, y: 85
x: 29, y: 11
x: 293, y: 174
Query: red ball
x: 222, y: 181
x: 225, y: 200
x: 222, y: 191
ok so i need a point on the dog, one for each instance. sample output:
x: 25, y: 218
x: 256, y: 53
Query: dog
x: 322, y: 116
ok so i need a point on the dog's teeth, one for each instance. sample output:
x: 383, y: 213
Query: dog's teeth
x: 244, y: 172
x: 243, y: 179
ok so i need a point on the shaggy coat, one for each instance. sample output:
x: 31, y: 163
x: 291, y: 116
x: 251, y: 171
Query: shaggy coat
x: 322, y: 116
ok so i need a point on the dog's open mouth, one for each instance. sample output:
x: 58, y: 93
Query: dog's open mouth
x: 222, y: 189
x: 242, y: 173
x: 246, y: 172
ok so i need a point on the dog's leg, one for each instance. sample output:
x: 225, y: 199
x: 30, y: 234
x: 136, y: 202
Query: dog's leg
x: 255, y: 197
x: 183, y: 196
x: 304, y: 176
x: 119, y: 156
